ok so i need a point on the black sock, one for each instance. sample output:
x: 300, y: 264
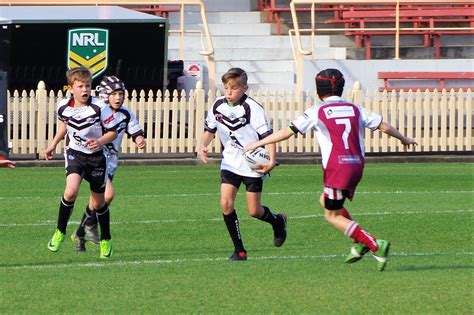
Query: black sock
x: 103, y: 216
x: 232, y: 223
x: 91, y: 218
x: 87, y: 217
x: 65, y: 211
x: 269, y: 217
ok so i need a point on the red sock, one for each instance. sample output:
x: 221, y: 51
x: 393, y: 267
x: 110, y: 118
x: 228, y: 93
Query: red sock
x: 361, y: 236
x: 346, y: 214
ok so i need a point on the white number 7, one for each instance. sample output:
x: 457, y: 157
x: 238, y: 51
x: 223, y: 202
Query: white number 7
x: 347, y: 128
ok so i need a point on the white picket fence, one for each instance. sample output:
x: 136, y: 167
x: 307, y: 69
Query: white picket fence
x: 439, y: 121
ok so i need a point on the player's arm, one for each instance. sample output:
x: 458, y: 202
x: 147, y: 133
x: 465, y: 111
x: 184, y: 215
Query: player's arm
x: 268, y: 167
x: 136, y: 131
x: 7, y: 163
x: 392, y: 131
x: 60, y: 134
x: 140, y: 141
x: 278, y: 136
x: 107, y: 137
x: 206, y: 139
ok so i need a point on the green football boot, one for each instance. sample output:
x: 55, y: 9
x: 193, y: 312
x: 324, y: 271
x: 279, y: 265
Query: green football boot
x: 358, y: 250
x: 55, y: 243
x: 381, y: 255
x: 106, y: 249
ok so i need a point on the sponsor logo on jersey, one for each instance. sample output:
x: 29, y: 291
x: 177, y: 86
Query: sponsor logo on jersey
x: 219, y: 118
x: 109, y: 119
x: 349, y: 159
x: 338, y: 111
x: 88, y: 47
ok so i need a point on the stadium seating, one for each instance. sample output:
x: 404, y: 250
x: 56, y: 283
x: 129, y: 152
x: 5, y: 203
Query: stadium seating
x: 441, y: 77
x: 364, y: 17
x: 420, y: 19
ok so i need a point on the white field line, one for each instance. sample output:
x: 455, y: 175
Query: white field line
x: 297, y: 217
x: 397, y: 192
x: 121, y: 263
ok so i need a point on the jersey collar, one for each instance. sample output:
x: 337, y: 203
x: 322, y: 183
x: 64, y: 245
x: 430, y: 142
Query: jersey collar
x: 333, y: 98
x: 72, y: 101
x: 240, y: 102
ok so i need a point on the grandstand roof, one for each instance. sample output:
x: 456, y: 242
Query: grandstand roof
x: 74, y: 14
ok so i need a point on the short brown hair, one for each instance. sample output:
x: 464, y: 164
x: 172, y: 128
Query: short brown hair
x: 78, y: 74
x: 235, y: 73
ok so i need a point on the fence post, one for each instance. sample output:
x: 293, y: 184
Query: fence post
x: 357, y: 93
x: 200, y: 109
x: 41, y: 125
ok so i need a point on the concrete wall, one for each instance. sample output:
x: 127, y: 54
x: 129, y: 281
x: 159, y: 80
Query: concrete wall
x: 365, y: 71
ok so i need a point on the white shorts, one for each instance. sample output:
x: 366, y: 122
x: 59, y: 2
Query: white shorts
x: 112, y: 164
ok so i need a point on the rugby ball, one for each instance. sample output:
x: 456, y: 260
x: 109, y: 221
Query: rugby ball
x: 259, y: 155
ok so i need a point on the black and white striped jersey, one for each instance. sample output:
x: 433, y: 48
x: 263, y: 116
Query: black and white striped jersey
x: 238, y: 125
x: 85, y: 123
x: 127, y: 123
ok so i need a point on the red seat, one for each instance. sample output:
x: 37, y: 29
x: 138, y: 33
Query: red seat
x: 441, y: 77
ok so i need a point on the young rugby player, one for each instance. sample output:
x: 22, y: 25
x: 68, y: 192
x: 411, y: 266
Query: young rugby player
x: 89, y: 124
x: 240, y: 120
x: 339, y: 127
x: 112, y: 92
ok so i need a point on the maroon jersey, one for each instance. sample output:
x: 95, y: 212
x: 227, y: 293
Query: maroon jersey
x: 339, y: 128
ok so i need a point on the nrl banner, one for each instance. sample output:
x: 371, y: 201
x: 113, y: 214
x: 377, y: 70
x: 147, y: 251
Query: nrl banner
x: 88, y: 47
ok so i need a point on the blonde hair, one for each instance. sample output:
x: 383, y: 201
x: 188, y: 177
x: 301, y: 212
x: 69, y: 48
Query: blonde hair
x: 235, y: 74
x: 78, y: 74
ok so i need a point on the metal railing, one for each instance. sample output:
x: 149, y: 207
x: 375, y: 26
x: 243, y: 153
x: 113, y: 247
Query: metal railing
x: 301, y: 52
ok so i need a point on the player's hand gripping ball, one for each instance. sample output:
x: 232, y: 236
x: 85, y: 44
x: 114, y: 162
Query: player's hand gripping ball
x: 259, y: 155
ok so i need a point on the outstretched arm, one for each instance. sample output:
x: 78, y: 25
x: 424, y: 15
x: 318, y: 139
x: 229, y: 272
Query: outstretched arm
x: 280, y: 135
x: 7, y: 163
x: 391, y: 131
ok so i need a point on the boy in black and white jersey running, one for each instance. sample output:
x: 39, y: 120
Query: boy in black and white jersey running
x: 240, y: 120
x: 88, y: 124
x: 112, y: 91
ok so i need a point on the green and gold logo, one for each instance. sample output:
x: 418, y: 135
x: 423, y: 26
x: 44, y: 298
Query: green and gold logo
x: 88, y: 47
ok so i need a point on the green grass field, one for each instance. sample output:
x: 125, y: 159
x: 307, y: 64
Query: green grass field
x: 171, y: 245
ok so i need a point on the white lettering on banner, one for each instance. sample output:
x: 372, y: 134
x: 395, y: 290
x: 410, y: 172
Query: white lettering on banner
x: 86, y: 39
x: 339, y: 111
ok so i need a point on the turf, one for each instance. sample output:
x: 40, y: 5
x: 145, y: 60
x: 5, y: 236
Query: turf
x: 171, y: 245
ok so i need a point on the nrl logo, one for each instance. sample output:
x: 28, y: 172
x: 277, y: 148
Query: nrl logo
x: 88, y: 47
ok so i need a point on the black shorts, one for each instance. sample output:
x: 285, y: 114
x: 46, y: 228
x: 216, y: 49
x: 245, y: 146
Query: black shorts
x: 252, y: 184
x: 91, y: 167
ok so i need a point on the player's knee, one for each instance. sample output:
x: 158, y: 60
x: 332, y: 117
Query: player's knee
x: 330, y: 216
x: 321, y: 200
x: 254, y: 213
x: 227, y: 205
x: 109, y: 198
x: 70, y: 195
